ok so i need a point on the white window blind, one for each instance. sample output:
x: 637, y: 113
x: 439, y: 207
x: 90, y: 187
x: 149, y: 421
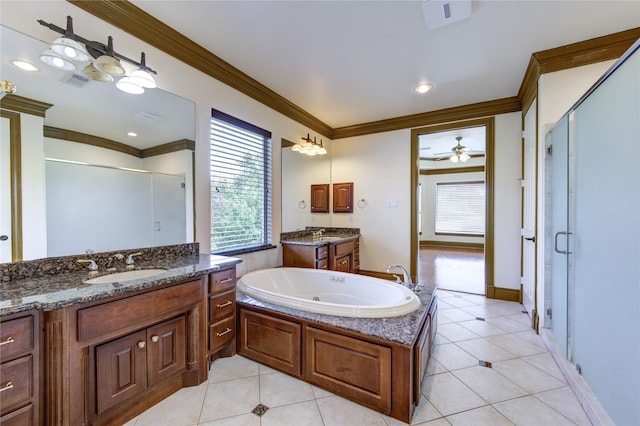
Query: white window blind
x: 460, y: 208
x: 240, y: 185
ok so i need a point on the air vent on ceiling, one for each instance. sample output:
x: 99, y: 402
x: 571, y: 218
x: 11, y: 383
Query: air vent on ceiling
x: 75, y: 80
x: 438, y: 13
x: 146, y: 115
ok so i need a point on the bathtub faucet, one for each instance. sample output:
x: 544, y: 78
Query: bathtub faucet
x: 407, y: 277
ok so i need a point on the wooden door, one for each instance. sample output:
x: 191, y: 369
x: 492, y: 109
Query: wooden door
x: 320, y: 198
x: 121, y: 369
x: 343, y: 197
x: 166, y: 352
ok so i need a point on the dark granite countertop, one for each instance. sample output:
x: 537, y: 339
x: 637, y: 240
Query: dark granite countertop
x: 403, y: 329
x: 55, y: 291
x: 319, y: 241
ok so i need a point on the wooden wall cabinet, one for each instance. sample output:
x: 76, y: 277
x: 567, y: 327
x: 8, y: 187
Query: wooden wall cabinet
x: 343, y: 197
x: 320, y: 198
x: 222, y: 313
x: 20, y: 356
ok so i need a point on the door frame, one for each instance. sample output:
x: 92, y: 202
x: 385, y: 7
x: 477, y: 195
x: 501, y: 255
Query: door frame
x: 15, y: 161
x: 489, y: 123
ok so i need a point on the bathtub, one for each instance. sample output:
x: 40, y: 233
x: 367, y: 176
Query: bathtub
x: 329, y: 292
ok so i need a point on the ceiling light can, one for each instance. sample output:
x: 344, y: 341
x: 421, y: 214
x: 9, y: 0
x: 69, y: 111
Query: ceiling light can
x: 423, y: 88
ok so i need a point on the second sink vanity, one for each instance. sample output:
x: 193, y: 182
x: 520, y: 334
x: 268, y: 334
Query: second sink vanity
x: 336, y: 249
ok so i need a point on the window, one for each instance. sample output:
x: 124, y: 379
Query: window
x: 240, y: 185
x: 460, y: 208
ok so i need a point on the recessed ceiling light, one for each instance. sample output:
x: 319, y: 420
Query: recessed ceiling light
x: 423, y: 88
x: 132, y: 134
x: 24, y: 65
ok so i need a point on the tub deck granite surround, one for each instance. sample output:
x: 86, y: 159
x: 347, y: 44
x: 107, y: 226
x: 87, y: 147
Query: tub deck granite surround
x: 376, y: 362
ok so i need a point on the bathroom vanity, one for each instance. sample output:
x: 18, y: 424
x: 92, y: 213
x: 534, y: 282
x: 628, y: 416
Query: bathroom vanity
x: 335, y: 249
x: 102, y: 353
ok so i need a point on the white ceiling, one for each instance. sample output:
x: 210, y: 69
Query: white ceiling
x: 350, y: 62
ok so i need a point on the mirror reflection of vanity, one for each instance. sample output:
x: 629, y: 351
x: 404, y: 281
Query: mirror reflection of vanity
x: 299, y: 172
x: 80, y: 174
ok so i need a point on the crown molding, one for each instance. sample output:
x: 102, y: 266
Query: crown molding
x: 470, y: 169
x: 135, y: 21
x: 70, y: 135
x: 179, y: 145
x: 25, y: 105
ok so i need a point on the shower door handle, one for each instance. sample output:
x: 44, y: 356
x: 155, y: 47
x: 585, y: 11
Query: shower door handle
x: 555, y: 248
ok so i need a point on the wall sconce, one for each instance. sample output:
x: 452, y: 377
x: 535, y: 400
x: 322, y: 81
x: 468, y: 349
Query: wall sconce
x: 309, y: 147
x: 6, y: 88
x: 67, y: 51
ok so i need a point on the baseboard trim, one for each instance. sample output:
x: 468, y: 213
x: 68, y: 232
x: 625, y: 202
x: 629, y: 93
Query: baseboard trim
x: 509, y: 294
x: 590, y: 404
x: 424, y: 243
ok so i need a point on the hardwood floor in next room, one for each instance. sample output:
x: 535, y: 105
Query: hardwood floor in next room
x: 452, y: 268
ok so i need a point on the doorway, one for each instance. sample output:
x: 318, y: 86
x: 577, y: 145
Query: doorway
x: 452, y: 205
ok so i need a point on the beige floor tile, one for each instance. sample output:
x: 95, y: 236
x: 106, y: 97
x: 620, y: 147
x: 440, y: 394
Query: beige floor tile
x: 235, y: 367
x: 482, y: 328
x: 300, y: 414
x: 483, y: 416
x: 440, y: 339
x: 164, y: 413
x: 442, y: 304
x: 491, y: 386
x: 443, y: 320
x: 532, y: 337
x: 320, y: 393
x: 458, y: 302
x: 424, y: 412
x: 434, y: 367
x: 437, y: 422
x: 449, y: 395
x: 337, y: 411
x: 546, y: 363
x: 266, y: 370
x: 131, y: 422
x: 527, y: 376
x: 456, y: 315
x: 515, y: 345
x: 565, y: 402
x: 241, y: 420
x: 455, y: 332
x: 230, y: 398
x: 482, y: 311
x: 530, y: 411
x: 280, y: 389
x: 453, y: 357
x: 508, y: 324
x: 484, y: 350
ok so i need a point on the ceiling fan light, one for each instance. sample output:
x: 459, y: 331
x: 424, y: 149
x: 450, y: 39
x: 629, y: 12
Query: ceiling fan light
x: 143, y: 79
x: 464, y: 157
x: 126, y: 85
x: 70, y: 49
x: 454, y: 158
x: 54, y: 60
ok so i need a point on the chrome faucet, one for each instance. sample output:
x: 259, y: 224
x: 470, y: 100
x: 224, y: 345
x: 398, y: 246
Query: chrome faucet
x: 407, y: 277
x: 130, y: 262
x: 118, y: 256
x: 93, y: 267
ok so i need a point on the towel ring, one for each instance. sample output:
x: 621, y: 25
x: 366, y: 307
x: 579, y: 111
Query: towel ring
x: 362, y: 203
x: 302, y: 204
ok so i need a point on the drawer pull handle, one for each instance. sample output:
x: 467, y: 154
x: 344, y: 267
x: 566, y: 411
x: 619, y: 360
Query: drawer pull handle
x: 10, y: 339
x: 7, y: 387
x: 222, y: 305
x: 226, y: 280
x: 141, y: 344
x: 228, y: 330
x: 155, y: 339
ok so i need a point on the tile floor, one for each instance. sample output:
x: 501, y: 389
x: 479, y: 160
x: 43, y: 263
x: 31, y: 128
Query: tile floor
x: 523, y: 386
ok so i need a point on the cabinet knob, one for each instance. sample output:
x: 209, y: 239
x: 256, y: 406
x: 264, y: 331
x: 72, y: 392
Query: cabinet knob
x: 142, y: 344
x: 155, y: 339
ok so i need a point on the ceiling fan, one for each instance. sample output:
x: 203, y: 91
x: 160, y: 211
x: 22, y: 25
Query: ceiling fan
x: 459, y: 153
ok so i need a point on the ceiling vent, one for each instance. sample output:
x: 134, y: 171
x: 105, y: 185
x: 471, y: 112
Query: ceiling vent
x: 146, y: 115
x: 75, y: 80
x: 438, y: 13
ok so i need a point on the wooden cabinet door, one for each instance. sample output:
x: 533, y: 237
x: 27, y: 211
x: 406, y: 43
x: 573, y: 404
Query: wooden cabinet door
x: 343, y: 263
x: 166, y: 349
x: 343, y: 197
x: 121, y: 368
x: 320, y: 198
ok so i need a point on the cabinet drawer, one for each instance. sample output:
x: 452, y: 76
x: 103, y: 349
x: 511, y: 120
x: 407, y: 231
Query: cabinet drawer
x: 16, y: 381
x: 343, y: 248
x: 21, y: 417
x: 221, y: 333
x: 16, y: 337
x: 321, y: 252
x: 222, y: 305
x: 222, y: 280
x: 124, y: 314
x: 322, y: 264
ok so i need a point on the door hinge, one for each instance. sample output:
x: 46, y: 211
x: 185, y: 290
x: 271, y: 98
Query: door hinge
x: 549, y: 150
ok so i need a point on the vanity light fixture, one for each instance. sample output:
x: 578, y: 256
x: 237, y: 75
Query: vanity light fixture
x: 310, y: 147
x: 423, y: 88
x: 104, y: 62
x: 6, y: 87
x: 24, y: 65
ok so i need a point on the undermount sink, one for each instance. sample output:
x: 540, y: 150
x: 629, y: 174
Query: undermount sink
x: 125, y: 276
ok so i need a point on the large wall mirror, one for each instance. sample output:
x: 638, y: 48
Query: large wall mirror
x: 299, y: 172
x: 86, y: 137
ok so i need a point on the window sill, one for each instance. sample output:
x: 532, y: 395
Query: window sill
x: 237, y: 251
